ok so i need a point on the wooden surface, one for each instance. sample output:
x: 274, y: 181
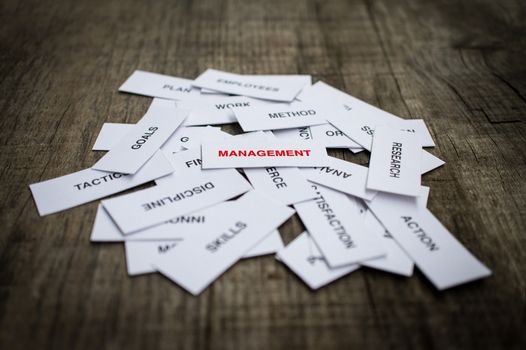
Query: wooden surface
x: 458, y: 65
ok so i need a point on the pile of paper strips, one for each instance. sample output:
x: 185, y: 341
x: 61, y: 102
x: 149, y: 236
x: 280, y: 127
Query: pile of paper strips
x: 219, y: 198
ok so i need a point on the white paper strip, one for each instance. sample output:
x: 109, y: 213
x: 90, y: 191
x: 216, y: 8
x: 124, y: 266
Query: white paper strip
x: 324, y: 134
x: 395, y: 164
x: 245, y: 153
x: 202, y: 260
x: 279, y: 116
x: 444, y: 261
x: 110, y: 134
x: 139, y: 210
x: 181, y: 227
x: 87, y: 185
x: 217, y: 110
x: 335, y: 225
x: 158, y: 85
x: 305, y: 260
x: 141, y: 254
x: 343, y: 176
x: 396, y: 260
x: 140, y: 143
x: 278, y: 88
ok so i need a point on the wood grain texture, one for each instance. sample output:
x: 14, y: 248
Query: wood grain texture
x: 457, y: 64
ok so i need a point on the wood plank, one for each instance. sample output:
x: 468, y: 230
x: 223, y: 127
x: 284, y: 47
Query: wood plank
x: 459, y: 66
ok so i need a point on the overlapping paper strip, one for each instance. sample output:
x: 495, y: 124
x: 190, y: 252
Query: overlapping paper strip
x: 219, y: 198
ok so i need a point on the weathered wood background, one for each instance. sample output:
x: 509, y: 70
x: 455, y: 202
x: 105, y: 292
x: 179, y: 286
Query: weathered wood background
x: 460, y: 65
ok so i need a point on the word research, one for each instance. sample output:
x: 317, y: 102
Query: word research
x: 396, y: 156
